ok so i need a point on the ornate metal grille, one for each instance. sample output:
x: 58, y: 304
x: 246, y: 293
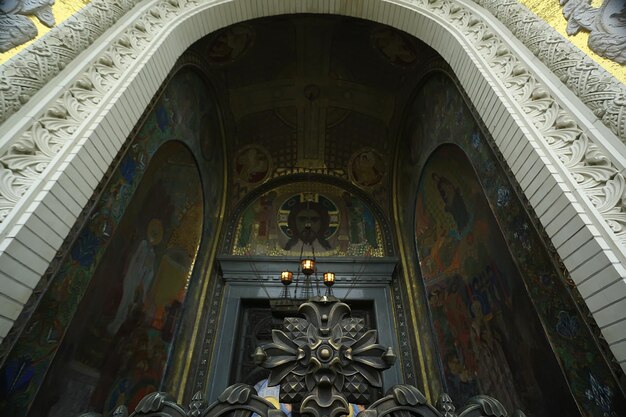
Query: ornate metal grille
x: 322, y: 362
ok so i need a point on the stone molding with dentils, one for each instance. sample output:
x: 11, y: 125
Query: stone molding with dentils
x: 25, y: 160
x: 600, y: 91
x: 30, y: 70
x: 92, y: 108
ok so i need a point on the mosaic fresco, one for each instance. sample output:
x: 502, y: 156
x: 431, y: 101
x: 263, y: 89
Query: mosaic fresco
x: 394, y: 46
x: 252, y: 165
x: 477, y: 268
x: 116, y: 348
x: 340, y: 223
x: 367, y: 168
x: 479, y: 306
x: 230, y: 44
x: 110, y: 305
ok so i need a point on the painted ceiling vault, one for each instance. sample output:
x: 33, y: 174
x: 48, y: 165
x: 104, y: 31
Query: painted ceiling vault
x: 313, y: 94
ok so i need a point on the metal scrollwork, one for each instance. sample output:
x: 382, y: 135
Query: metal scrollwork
x: 238, y: 400
x: 322, y: 362
x: 326, y: 360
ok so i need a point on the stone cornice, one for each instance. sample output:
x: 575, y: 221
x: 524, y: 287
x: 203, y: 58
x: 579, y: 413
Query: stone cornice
x: 604, y: 95
x: 31, y: 70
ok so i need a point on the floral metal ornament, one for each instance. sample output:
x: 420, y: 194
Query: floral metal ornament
x: 323, y: 362
x: 326, y: 360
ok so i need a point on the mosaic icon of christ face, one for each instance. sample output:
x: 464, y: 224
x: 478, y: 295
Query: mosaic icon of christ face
x: 308, y: 218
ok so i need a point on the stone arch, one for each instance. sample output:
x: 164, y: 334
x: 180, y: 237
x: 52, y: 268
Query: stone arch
x: 574, y: 186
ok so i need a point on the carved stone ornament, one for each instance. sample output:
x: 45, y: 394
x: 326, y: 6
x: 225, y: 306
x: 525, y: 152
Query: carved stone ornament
x: 24, y: 161
x: 30, y: 70
x: 603, y: 94
x: 323, y: 362
x: 15, y: 27
x: 606, y: 24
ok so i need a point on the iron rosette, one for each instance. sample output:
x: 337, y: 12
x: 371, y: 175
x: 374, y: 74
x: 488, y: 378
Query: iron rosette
x: 326, y: 360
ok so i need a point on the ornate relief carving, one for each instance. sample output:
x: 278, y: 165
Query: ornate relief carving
x: 606, y: 24
x: 603, y: 94
x: 15, y: 27
x: 24, y: 161
x: 29, y: 71
x: 27, y: 157
x: 591, y: 170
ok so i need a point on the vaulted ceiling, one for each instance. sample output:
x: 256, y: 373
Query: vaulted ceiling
x: 321, y: 94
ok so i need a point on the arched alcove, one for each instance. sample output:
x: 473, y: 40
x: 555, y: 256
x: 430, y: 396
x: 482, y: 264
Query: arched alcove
x: 498, y: 79
x: 119, y: 339
x: 489, y: 338
x: 125, y: 299
x: 471, y: 243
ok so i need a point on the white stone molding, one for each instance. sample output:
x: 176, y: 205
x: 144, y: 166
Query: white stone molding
x: 26, y: 73
x: 568, y: 166
x: 599, y: 90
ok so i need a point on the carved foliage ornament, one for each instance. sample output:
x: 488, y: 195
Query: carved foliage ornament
x: 23, y: 161
x: 604, y: 95
x: 313, y: 360
x: 591, y: 170
x: 28, y: 156
x: 26, y: 73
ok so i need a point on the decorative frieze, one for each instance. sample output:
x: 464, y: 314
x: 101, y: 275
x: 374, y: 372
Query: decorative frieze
x: 602, y: 93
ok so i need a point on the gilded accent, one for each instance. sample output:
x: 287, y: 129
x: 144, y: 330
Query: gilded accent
x: 552, y: 13
x: 219, y: 222
x: 409, y: 285
x: 62, y: 9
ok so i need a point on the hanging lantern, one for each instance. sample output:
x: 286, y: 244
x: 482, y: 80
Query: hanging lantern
x: 307, y: 266
x: 286, y: 277
x: 329, y: 279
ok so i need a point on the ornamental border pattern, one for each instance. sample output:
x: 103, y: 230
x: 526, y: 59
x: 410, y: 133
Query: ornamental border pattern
x: 29, y: 71
x: 25, y: 161
x: 602, y: 93
x: 583, y: 168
